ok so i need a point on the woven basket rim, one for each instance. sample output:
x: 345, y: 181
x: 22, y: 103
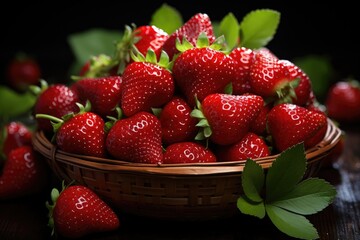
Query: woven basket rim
x: 42, y: 144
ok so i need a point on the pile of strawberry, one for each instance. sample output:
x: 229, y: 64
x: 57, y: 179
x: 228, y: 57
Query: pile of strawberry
x: 181, y: 98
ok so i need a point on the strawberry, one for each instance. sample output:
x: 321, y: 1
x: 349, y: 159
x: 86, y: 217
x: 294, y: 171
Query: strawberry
x: 81, y: 133
x: 176, y: 123
x: 16, y: 134
x: 77, y: 211
x: 188, y: 152
x: 24, y: 173
x: 225, y: 118
x: 146, y: 84
x: 243, y: 59
x: 98, y: 66
x: 250, y: 146
x: 269, y: 78
x: 136, y: 139
x: 104, y: 93
x: 55, y: 100
x: 202, y: 70
x: 22, y: 72
x: 289, y: 124
x: 343, y: 101
x: 198, y: 23
x: 149, y: 36
x: 302, y: 91
x: 258, y: 126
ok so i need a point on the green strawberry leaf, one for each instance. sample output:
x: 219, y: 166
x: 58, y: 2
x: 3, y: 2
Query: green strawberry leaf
x: 320, y: 71
x: 253, y: 180
x: 229, y: 27
x: 14, y: 104
x: 216, y: 28
x: 167, y: 18
x: 258, y: 28
x: 285, y: 172
x: 93, y: 42
x: 290, y: 223
x: 246, y: 206
x: 308, y: 197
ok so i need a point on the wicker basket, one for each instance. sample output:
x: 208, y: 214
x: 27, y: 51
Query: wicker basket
x: 182, y: 191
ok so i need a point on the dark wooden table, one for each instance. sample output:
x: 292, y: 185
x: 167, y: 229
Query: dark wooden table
x: 27, y: 218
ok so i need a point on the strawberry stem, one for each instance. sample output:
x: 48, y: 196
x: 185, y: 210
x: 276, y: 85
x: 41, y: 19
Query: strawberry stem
x: 51, y: 118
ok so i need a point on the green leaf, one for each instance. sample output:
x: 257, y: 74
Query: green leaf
x: 253, y: 180
x: 167, y: 18
x: 285, y: 172
x: 92, y: 43
x: 290, y: 223
x: 246, y: 206
x: 308, y: 197
x: 14, y: 104
x: 258, y: 28
x: 229, y: 27
x: 216, y: 28
x: 320, y: 71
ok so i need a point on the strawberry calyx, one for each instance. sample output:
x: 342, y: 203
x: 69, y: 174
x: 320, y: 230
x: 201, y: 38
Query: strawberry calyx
x: 285, y: 91
x: 150, y: 57
x: 205, y: 130
x: 113, y: 120
x: 202, y: 42
x: 36, y: 90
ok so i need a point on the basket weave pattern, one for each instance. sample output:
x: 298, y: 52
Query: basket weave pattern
x: 181, y: 191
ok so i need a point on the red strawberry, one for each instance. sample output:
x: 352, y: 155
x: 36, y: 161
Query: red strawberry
x: 81, y: 133
x: 149, y: 37
x: 104, y: 93
x: 302, y: 91
x: 290, y: 124
x: 55, y: 100
x: 77, y: 211
x: 199, y: 23
x: 16, y: 135
x: 250, y: 146
x: 24, y: 173
x: 146, y: 85
x: 258, y: 126
x: 22, y: 72
x: 176, y: 123
x: 227, y: 118
x: 243, y: 59
x: 343, y: 101
x: 201, y: 71
x: 266, y: 52
x: 269, y: 77
x: 188, y: 152
x: 136, y: 139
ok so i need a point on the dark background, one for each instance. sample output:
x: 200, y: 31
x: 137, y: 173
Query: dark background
x: 41, y: 30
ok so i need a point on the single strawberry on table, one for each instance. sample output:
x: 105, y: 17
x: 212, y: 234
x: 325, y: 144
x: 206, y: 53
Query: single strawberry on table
x: 77, y: 211
x: 24, y: 173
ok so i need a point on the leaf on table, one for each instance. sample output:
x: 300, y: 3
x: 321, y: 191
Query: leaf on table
x: 229, y: 27
x: 13, y: 104
x: 253, y: 180
x: 308, y: 197
x: 285, y: 172
x: 246, y: 206
x: 258, y: 28
x: 167, y: 18
x: 290, y: 223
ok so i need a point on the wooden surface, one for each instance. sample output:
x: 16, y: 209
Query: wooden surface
x: 27, y: 218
